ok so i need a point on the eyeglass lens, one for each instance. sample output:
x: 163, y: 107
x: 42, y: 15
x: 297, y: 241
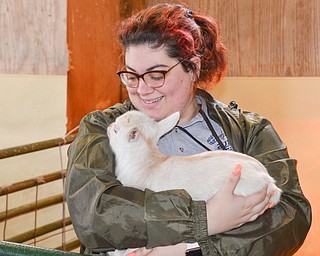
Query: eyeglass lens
x: 153, y: 79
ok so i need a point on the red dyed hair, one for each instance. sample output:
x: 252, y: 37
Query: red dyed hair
x: 184, y: 34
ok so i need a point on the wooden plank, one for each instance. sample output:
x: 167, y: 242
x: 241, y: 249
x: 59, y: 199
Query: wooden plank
x: 33, y: 37
x: 93, y: 57
x: 267, y: 38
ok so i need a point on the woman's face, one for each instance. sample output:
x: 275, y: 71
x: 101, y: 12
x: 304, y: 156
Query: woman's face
x: 177, y: 92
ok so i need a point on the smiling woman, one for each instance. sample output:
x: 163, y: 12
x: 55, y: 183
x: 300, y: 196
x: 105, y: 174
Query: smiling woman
x: 167, y: 222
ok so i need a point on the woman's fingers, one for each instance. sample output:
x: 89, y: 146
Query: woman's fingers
x: 140, y: 252
x: 233, y: 179
x: 237, y: 210
x: 170, y: 250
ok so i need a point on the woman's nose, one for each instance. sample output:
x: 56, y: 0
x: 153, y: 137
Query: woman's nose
x: 143, y: 88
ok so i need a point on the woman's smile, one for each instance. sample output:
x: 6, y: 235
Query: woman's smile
x: 151, y: 101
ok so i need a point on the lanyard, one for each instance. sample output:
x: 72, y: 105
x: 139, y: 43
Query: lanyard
x: 213, y: 132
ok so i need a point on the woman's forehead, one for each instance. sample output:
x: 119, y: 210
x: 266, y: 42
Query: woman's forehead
x: 134, y: 50
x: 144, y: 57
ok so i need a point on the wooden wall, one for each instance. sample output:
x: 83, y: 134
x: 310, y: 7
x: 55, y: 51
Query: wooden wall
x: 265, y: 38
x: 93, y: 55
x: 33, y: 37
x: 272, y: 38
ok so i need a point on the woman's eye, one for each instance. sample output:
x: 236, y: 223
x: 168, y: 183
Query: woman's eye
x: 131, y: 78
x: 156, y: 76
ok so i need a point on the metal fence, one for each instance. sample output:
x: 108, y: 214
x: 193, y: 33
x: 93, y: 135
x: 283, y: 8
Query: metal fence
x: 26, y: 242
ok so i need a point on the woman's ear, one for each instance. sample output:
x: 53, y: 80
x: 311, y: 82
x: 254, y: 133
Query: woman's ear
x: 197, y: 61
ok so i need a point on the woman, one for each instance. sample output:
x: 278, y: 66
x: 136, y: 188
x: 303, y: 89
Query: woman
x: 169, y: 54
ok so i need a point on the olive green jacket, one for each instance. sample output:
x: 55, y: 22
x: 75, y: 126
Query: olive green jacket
x: 107, y: 215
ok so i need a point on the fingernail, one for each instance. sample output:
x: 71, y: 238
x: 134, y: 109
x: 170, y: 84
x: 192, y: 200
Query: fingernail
x: 272, y: 205
x: 237, y: 169
x: 132, y: 254
x: 272, y: 193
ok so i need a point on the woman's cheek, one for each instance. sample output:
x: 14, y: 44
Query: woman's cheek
x: 132, y: 91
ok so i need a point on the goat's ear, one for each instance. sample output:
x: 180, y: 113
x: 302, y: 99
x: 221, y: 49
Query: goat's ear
x: 165, y: 125
x: 133, y: 134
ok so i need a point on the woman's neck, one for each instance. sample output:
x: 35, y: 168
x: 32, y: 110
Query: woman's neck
x: 190, y: 112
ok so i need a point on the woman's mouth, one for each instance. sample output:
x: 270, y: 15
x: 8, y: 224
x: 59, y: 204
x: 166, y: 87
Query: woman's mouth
x: 152, y: 101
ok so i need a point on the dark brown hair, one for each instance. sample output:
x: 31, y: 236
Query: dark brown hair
x: 184, y: 34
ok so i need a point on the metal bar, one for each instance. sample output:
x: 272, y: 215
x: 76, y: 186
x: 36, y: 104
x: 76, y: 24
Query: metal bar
x: 69, y: 246
x: 15, y: 249
x: 46, y: 202
x: 26, y: 236
x: 5, y: 190
x: 33, y: 147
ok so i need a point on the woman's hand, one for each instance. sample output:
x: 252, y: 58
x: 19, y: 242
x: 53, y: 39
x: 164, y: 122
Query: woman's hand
x: 226, y: 210
x: 171, y: 250
x: 140, y: 252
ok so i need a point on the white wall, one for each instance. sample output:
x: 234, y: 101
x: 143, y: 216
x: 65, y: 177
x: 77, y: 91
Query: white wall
x: 277, y: 98
x: 32, y: 109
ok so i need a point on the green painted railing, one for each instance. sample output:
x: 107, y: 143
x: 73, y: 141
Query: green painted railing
x: 15, y: 249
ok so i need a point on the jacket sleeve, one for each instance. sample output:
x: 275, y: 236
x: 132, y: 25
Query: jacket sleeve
x: 282, y: 229
x: 106, y: 214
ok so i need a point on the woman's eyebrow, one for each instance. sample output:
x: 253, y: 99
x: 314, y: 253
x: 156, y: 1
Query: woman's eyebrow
x: 149, y: 69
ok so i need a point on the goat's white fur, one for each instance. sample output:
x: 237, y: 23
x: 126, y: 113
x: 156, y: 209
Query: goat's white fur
x: 133, y: 139
x: 139, y: 163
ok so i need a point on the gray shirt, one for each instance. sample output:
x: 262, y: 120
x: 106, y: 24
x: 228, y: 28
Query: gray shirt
x: 177, y: 142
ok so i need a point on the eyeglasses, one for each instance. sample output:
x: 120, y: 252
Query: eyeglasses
x: 153, y: 79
